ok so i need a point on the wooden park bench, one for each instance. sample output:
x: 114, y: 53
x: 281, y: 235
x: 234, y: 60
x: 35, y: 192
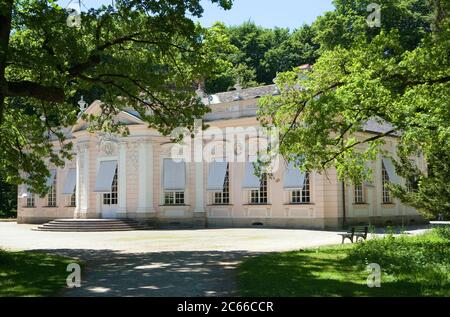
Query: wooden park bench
x: 356, y: 232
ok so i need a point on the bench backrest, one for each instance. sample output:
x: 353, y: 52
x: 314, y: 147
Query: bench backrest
x: 359, y: 229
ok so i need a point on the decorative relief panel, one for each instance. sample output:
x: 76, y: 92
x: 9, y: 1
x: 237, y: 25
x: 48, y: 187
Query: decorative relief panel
x: 258, y: 212
x: 300, y: 213
x: 81, y: 147
x: 166, y: 149
x: 133, y: 154
x: 108, y: 145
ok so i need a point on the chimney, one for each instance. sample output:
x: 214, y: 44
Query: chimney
x: 307, y: 67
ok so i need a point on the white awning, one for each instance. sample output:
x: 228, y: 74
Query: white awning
x: 216, y: 176
x: 174, y: 175
x: 294, y: 178
x: 51, y: 179
x: 71, y: 182
x: 251, y: 181
x: 390, y: 169
x: 105, y: 176
x: 368, y: 183
x: 25, y: 191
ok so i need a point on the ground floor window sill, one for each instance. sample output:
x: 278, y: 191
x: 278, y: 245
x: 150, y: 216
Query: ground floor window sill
x: 299, y: 204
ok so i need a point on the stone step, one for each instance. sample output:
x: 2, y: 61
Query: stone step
x: 85, y: 229
x: 78, y: 229
x: 94, y: 220
x: 91, y: 225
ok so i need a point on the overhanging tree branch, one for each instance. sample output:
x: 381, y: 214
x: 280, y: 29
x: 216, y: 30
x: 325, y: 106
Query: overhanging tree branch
x: 5, y: 30
x: 302, y: 106
x: 31, y: 89
x: 348, y: 147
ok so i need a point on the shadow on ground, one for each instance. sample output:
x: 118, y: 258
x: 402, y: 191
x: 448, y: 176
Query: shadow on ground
x: 168, y: 274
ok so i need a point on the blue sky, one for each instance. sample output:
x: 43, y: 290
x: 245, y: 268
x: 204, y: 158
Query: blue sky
x: 267, y: 13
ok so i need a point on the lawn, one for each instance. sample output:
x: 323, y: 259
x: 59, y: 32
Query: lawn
x: 411, y: 266
x: 32, y: 273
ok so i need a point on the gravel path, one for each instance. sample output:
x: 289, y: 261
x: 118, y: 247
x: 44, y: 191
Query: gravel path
x: 161, y: 262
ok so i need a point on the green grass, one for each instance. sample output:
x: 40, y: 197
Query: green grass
x: 32, y: 273
x: 411, y: 266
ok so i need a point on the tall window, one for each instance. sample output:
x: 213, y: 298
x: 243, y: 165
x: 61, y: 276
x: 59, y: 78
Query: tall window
x: 412, y: 184
x: 260, y: 196
x: 111, y: 198
x: 223, y: 197
x: 359, y: 194
x: 302, y: 196
x: 31, y: 200
x: 73, y: 199
x: 174, y: 198
x: 51, y: 197
x: 385, y: 182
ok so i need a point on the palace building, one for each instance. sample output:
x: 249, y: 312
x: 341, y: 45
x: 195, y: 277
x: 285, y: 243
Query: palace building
x: 136, y: 177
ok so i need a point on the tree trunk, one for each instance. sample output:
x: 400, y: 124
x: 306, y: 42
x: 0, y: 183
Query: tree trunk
x: 439, y: 15
x: 5, y: 30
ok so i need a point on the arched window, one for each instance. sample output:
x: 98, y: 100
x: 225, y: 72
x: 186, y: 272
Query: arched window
x: 223, y: 197
x: 260, y: 196
x: 385, y: 181
x: 51, y: 196
x: 73, y: 199
x: 302, y: 196
x: 31, y: 200
x: 359, y: 194
x: 111, y: 198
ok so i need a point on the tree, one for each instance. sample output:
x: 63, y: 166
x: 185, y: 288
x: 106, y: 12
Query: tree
x: 298, y: 49
x: 140, y: 53
x: 235, y: 74
x: 389, y: 75
x: 8, y: 198
x: 261, y: 53
x: 343, y: 26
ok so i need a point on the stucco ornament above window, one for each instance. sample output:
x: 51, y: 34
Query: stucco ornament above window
x: 108, y: 145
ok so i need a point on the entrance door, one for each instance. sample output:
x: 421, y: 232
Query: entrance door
x: 108, y: 211
x: 109, y: 201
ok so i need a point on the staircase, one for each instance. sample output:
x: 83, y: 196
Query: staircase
x: 91, y: 225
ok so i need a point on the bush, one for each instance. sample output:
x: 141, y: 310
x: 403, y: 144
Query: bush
x: 8, y: 214
x: 8, y: 197
x: 425, y: 258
